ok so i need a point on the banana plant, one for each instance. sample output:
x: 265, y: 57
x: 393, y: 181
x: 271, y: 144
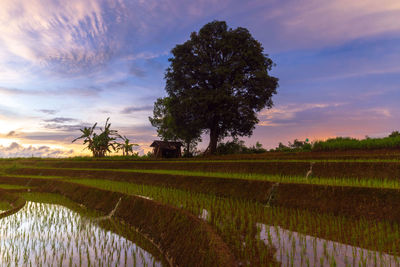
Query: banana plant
x: 87, y: 136
x: 101, y: 143
x: 126, y: 146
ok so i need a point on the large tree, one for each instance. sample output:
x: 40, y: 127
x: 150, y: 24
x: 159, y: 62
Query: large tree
x: 221, y: 77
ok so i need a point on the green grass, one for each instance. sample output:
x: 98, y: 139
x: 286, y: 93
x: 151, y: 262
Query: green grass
x: 12, y: 186
x: 4, y: 206
x: 31, y: 176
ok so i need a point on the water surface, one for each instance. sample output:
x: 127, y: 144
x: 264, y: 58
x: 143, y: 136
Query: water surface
x: 52, y: 235
x: 297, y: 249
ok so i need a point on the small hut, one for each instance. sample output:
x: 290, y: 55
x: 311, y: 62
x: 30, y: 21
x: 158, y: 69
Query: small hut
x: 165, y: 149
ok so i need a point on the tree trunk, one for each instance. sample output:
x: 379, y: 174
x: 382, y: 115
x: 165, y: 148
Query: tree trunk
x: 187, y: 148
x: 212, y: 147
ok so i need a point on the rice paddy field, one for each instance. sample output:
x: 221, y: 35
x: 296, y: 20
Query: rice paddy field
x: 274, y: 209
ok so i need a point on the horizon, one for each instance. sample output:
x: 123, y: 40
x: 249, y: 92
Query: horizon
x: 67, y: 65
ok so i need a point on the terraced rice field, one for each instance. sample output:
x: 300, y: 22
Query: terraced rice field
x: 250, y: 212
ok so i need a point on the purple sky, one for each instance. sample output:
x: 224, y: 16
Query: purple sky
x: 68, y: 64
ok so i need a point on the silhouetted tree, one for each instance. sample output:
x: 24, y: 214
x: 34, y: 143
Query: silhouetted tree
x: 175, y: 122
x: 87, y: 136
x: 218, y: 80
x: 126, y: 146
x: 100, y: 143
x: 394, y: 134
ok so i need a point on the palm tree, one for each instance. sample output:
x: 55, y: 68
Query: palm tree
x: 125, y: 146
x: 87, y: 133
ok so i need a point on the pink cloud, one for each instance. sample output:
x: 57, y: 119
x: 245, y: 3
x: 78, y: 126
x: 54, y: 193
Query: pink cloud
x: 17, y: 150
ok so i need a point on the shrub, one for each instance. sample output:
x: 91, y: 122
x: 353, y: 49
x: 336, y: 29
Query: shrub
x: 347, y: 143
x: 237, y: 146
x: 297, y: 145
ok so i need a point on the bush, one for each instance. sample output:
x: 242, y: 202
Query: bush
x: 237, y: 146
x: 347, y: 143
x: 296, y: 146
x: 394, y: 134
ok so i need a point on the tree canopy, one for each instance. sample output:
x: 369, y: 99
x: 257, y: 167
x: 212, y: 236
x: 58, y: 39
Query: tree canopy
x: 175, y: 122
x: 217, y: 82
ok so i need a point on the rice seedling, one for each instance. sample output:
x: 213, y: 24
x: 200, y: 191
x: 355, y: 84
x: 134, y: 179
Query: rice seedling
x: 295, y: 248
x: 11, y: 186
x: 238, y: 222
x: 258, y: 235
x: 4, y: 206
x: 329, y: 181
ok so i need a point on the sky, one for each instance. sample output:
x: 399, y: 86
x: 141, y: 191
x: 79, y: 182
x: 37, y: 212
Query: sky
x: 65, y: 65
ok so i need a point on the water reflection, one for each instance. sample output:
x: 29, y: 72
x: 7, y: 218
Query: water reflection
x: 296, y: 249
x: 204, y: 215
x: 47, y: 234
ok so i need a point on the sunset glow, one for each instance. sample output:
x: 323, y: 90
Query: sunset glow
x: 68, y: 64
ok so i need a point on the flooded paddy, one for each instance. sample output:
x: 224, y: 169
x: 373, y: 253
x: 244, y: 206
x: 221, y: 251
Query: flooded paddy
x: 236, y: 221
x: 43, y: 234
x: 297, y: 249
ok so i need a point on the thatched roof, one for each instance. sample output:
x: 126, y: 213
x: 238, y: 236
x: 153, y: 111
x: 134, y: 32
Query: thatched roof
x: 166, y: 144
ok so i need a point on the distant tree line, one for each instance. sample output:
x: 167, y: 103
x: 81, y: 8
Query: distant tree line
x: 392, y: 141
x: 237, y: 146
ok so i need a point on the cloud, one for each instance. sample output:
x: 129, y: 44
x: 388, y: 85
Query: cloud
x: 90, y: 91
x: 60, y: 120
x: 380, y: 111
x: 11, y: 133
x: 48, y: 111
x: 17, y: 150
x: 47, y: 137
x: 315, y: 23
x: 67, y: 36
x: 154, y: 64
x: 117, y: 84
x: 289, y: 114
x: 144, y: 55
x: 279, y: 24
x: 16, y: 91
x: 81, y: 37
x: 132, y: 109
x: 65, y: 127
x: 137, y: 71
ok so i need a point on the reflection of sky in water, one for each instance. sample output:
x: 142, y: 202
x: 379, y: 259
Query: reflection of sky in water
x: 296, y: 249
x: 47, y: 234
x: 204, y: 215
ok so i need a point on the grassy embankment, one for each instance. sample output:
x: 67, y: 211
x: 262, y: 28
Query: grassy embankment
x: 10, y: 203
x: 375, y: 175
